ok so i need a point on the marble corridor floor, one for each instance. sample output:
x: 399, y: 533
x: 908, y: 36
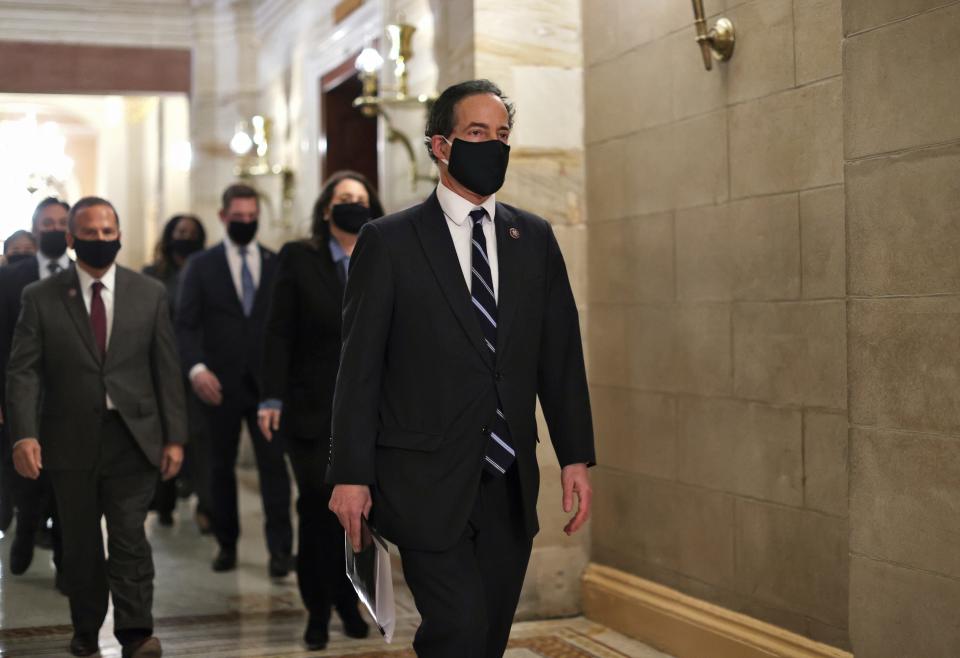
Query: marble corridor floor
x: 245, y: 613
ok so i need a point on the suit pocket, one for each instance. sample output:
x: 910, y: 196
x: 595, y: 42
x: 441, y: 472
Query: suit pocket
x: 409, y: 440
x: 147, y: 407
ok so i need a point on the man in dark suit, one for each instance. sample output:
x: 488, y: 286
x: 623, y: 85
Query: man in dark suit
x: 458, y: 315
x: 33, y: 499
x: 96, y: 401
x: 220, y: 328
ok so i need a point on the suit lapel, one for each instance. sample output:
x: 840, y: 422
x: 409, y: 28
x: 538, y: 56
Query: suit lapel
x: 328, y: 269
x: 263, y: 286
x: 226, y: 278
x: 432, y: 229
x: 34, y: 270
x: 122, y: 300
x: 510, y: 263
x: 72, y: 298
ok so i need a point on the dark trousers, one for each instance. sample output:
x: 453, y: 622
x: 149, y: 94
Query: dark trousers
x: 196, y: 459
x: 195, y: 471
x: 224, y: 427
x: 467, y: 595
x: 7, y: 473
x: 34, y: 504
x: 119, y: 489
x: 165, y: 496
x: 320, y: 560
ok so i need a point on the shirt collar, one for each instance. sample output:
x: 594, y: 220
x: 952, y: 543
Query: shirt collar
x: 336, y: 251
x: 457, y: 209
x: 108, y: 279
x: 43, y: 261
x: 230, y: 245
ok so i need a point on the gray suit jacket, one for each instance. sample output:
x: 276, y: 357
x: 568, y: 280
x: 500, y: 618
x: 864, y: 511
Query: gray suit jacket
x: 57, y: 381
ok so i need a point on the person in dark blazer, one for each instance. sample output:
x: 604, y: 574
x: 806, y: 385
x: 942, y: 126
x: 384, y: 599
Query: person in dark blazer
x: 183, y: 235
x: 33, y: 499
x: 221, y: 315
x: 96, y: 402
x: 458, y: 316
x: 300, y: 360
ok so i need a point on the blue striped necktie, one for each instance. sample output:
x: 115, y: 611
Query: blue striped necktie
x: 500, y: 453
x: 248, y: 289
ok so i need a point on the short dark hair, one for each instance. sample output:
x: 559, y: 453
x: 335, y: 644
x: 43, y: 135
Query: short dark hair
x: 238, y: 191
x: 89, y: 202
x: 49, y: 201
x: 442, y: 116
x: 16, y: 235
x: 320, y: 228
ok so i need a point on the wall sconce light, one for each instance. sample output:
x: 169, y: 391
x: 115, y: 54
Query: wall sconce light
x: 716, y: 42
x: 375, y: 99
x: 251, y: 144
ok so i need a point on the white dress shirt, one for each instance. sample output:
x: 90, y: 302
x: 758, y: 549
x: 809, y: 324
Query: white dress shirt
x: 235, y: 263
x: 44, y: 263
x: 457, y: 211
x: 109, y: 280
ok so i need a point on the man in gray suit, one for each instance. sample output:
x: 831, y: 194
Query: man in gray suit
x: 95, y: 398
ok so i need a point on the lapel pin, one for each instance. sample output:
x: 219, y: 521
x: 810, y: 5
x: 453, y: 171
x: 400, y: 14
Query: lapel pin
x: 515, y: 233
x: 72, y: 292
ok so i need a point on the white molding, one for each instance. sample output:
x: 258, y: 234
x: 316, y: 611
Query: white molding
x: 132, y: 23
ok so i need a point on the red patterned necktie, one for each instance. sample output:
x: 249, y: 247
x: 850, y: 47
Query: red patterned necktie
x: 98, y: 318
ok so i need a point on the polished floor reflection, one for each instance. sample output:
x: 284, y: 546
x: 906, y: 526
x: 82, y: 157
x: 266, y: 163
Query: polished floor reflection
x: 245, y: 613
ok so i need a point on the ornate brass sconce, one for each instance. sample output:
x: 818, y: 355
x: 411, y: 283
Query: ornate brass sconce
x: 716, y: 42
x: 375, y: 99
x: 251, y: 145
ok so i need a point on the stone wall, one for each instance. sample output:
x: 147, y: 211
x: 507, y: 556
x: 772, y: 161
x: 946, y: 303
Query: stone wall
x: 716, y: 305
x: 902, y: 150
x: 533, y: 51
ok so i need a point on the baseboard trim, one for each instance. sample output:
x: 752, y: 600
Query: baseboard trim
x: 684, y: 626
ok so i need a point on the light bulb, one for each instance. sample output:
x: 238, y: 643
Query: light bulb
x: 241, y: 143
x: 369, y: 61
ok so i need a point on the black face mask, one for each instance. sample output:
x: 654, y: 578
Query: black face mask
x: 350, y: 216
x: 53, y: 244
x: 242, y: 232
x: 98, y: 254
x: 479, y: 166
x: 17, y: 258
x: 184, y: 248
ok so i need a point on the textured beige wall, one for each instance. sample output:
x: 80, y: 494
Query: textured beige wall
x: 533, y: 51
x: 902, y: 149
x: 716, y: 305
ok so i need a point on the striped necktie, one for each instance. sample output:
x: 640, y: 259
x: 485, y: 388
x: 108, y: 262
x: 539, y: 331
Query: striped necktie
x: 500, y: 453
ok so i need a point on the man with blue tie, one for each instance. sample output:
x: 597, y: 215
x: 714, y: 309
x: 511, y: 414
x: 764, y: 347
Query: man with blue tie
x: 220, y: 331
x: 458, y: 316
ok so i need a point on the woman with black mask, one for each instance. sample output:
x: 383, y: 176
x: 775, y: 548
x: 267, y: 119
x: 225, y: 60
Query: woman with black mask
x: 183, y: 235
x: 301, y: 358
x: 21, y: 245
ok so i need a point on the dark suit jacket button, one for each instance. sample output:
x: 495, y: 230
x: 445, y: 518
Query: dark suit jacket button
x: 483, y: 430
x: 498, y: 375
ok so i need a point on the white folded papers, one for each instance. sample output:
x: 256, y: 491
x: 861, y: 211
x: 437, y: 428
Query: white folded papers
x: 370, y: 573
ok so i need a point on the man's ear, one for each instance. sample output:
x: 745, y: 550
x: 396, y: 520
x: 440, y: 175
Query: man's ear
x: 437, y: 142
